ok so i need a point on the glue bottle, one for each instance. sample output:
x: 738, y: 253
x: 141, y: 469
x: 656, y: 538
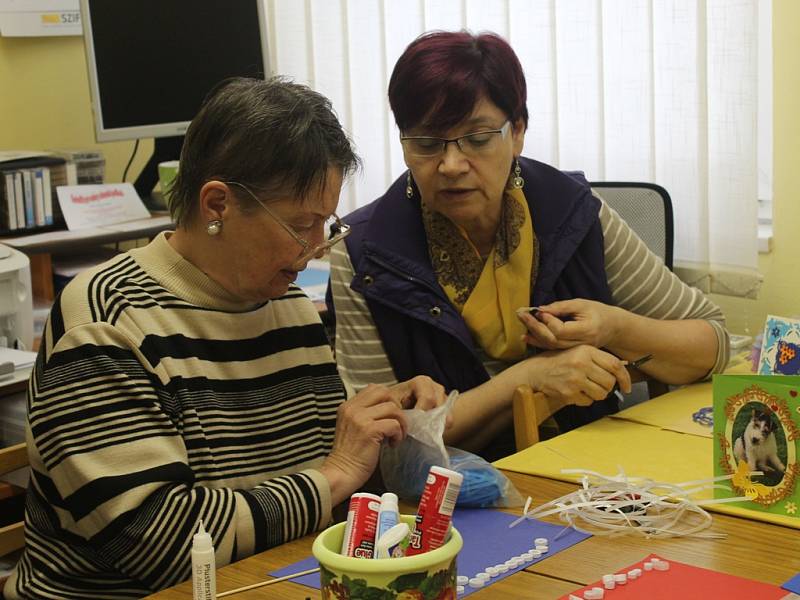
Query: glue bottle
x: 204, y: 575
x: 432, y: 523
x: 388, y: 515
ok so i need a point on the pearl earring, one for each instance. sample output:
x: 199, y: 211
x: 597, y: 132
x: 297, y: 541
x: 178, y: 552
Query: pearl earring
x: 214, y: 227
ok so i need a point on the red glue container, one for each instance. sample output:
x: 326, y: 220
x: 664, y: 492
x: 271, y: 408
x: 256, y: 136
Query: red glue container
x: 435, y: 510
x: 362, y: 521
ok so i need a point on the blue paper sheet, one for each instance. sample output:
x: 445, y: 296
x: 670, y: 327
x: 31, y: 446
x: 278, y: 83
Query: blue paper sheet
x: 487, y: 541
x: 793, y: 585
x: 314, y: 279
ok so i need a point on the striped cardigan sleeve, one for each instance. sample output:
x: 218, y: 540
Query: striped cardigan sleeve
x: 360, y: 355
x: 111, y: 462
x: 642, y: 284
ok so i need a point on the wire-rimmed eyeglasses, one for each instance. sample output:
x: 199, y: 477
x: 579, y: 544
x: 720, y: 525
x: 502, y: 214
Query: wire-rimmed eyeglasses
x: 477, y: 143
x: 339, y: 230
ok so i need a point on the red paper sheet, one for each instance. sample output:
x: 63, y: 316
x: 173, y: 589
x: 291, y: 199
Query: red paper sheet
x: 685, y: 582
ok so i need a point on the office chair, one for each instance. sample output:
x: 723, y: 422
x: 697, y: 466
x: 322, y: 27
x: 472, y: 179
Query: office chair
x: 646, y: 208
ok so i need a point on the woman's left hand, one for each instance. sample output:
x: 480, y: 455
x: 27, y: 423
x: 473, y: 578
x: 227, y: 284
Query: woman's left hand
x: 568, y: 323
x: 421, y: 392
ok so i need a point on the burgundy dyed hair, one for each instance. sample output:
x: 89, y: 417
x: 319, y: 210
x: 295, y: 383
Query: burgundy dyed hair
x: 441, y: 75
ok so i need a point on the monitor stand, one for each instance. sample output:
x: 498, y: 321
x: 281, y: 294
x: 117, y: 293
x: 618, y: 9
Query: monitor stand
x: 164, y: 148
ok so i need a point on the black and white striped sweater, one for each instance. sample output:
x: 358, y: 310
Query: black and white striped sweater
x: 158, y: 400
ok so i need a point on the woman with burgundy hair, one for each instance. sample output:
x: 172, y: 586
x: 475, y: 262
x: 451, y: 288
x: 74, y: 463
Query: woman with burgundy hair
x: 435, y: 271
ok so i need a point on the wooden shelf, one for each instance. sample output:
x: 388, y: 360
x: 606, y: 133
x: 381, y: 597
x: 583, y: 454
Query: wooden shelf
x: 41, y: 246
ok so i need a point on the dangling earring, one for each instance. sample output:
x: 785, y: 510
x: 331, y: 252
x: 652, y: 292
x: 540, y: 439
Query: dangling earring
x: 517, y: 181
x: 409, y: 189
x: 214, y: 227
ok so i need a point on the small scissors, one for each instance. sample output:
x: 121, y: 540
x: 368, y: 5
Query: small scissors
x: 639, y: 361
x: 634, y: 364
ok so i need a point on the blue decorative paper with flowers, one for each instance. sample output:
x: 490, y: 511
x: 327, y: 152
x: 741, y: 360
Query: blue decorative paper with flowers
x: 780, y: 348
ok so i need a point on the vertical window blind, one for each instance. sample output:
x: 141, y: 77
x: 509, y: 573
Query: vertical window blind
x: 666, y: 91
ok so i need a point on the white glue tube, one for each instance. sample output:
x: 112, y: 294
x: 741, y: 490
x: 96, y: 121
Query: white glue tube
x: 204, y: 568
x: 389, y: 545
x: 388, y: 515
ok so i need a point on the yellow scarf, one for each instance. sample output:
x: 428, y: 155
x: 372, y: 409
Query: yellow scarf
x: 488, y: 293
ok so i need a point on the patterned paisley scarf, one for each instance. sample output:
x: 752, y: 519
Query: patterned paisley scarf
x: 488, y: 292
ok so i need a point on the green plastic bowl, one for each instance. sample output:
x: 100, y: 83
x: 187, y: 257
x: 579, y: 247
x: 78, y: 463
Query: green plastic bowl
x: 428, y: 575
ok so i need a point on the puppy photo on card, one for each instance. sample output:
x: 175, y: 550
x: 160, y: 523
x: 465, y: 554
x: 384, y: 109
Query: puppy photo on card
x: 756, y: 437
x: 760, y: 440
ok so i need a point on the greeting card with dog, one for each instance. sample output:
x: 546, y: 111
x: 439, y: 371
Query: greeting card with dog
x: 757, y: 440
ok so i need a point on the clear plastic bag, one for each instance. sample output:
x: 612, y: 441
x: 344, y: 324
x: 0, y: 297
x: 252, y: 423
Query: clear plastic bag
x: 405, y: 467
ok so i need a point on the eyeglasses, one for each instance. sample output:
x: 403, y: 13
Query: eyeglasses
x: 334, y: 224
x: 479, y: 143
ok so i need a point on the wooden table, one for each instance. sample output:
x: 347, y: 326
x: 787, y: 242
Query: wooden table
x: 752, y: 549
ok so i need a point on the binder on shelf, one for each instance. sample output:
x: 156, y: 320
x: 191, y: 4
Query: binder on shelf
x: 10, y: 202
x: 37, y: 178
x: 48, y: 196
x: 27, y: 190
x: 34, y: 178
x: 20, y: 199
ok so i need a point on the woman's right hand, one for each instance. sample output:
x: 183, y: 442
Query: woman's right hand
x: 364, y: 421
x: 579, y: 375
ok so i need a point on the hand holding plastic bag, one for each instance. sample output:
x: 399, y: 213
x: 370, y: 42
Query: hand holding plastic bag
x: 405, y: 467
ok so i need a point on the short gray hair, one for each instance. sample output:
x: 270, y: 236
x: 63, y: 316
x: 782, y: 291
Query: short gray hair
x: 271, y: 135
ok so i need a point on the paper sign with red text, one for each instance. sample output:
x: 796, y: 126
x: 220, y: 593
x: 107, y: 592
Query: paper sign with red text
x: 85, y: 206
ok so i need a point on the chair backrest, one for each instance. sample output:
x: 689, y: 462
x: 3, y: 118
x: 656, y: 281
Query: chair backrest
x: 646, y: 208
x: 531, y: 409
x: 12, y: 536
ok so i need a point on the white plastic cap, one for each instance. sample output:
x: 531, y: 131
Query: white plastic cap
x: 462, y: 580
x: 201, y: 541
x: 389, y: 501
x: 476, y: 582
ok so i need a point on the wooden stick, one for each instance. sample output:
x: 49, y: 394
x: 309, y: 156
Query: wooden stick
x: 267, y: 582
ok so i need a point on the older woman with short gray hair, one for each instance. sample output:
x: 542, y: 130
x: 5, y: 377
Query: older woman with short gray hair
x: 191, y: 380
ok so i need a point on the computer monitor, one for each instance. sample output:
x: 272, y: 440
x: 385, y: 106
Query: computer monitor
x: 151, y: 63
